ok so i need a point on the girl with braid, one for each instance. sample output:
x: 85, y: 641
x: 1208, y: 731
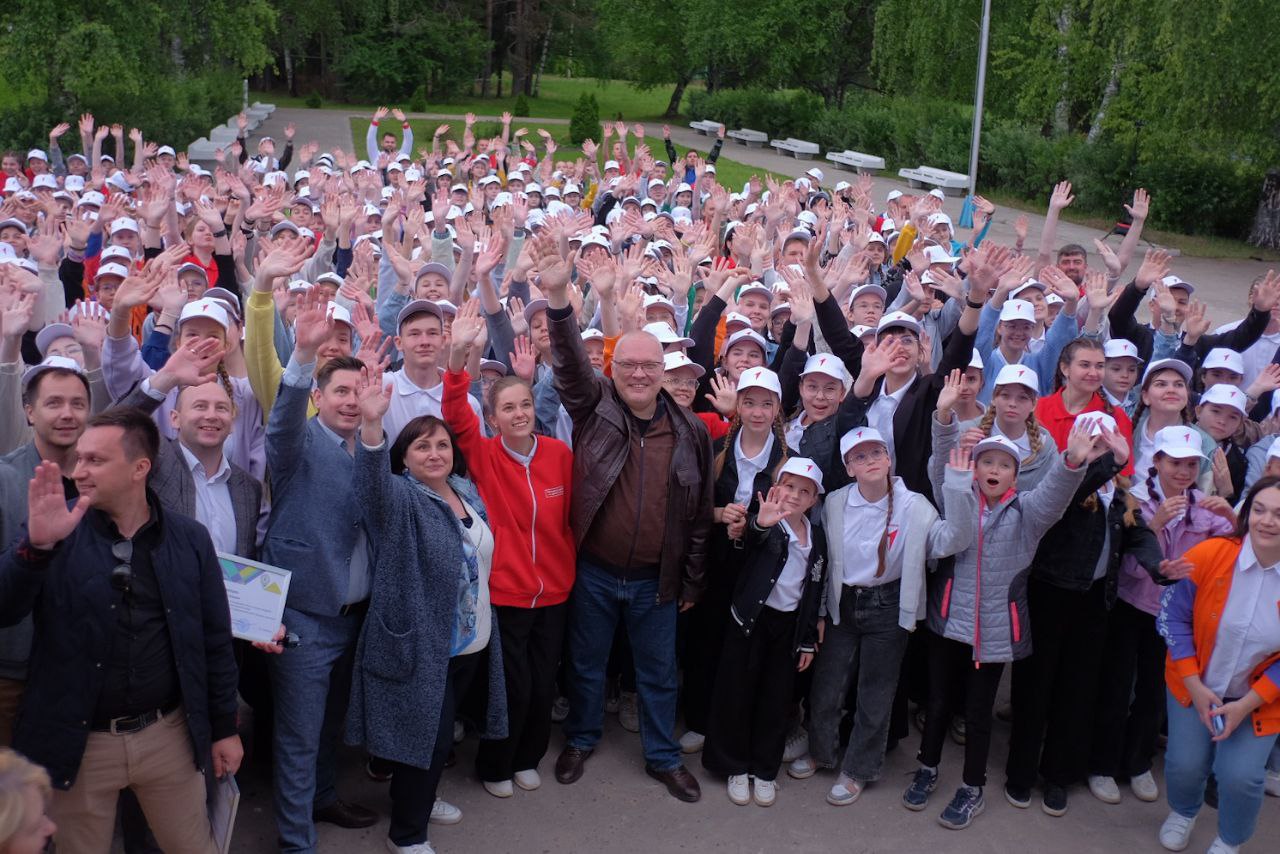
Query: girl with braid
x: 881, y: 533
x: 1164, y: 400
x: 1011, y: 414
x: 745, y: 461
x: 1131, y: 685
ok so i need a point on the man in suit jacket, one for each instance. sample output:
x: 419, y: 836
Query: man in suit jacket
x: 316, y: 531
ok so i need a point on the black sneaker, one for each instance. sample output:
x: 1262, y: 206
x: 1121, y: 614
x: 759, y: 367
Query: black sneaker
x: 1055, y: 800
x: 1018, y: 796
x: 922, y: 785
x: 963, y: 809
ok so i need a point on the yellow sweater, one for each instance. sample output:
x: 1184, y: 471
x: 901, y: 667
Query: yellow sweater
x: 265, y: 370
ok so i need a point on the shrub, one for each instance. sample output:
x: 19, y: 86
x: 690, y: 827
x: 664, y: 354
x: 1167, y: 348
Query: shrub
x: 585, y: 123
x: 1198, y: 191
x: 314, y: 101
x: 521, y: 106
x: 418, y: 100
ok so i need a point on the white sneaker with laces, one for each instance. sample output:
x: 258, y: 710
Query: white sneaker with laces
x: 1175, y: 833
x: 500, y: 789
x: 739, y: 789
x: 528, y: 780
x: 420, y: 848
x: 1104, y: 788
x: 1144, y: 787
x: 443, y: 812
x: 764, y: 792
x: 802, y: 768
x: 1272, y: 786
x: 1220, y: 847
x: 797, y: 745
x: 845, y: 791
x: 691, y: 742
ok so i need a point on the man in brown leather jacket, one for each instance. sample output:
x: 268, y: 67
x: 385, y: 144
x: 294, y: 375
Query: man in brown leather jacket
x: 641, y: 514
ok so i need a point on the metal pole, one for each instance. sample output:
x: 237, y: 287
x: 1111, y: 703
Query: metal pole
x: 244, y: 93
x: 979, y: 93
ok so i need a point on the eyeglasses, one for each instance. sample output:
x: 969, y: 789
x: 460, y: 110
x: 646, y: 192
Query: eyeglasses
x: 868, y: 456
x: 651, y: 369
x: 122, y: 575
x: 678, y: 383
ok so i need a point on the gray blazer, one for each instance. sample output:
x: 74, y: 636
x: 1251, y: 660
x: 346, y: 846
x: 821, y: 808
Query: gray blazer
x: 315, y: 518
x: 16, y: 470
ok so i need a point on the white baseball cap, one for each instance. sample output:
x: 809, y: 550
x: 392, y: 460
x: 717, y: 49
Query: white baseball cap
x: 1018, y: 375
x: 802, y: 467
x: 415, y: 307
x: 863, y: 290
x: 939, y: 218
x: 893, y: 194
x: 208, y: 308
x: 532, y: 307
x: 937, y: 193
x: 1221, y: 357
x: 938, y: 255
x: 611, y: 164
x: 44, y: 181
x: 1095, y: 421
x: 1169, y: 365
x: 124, y: 223
x: 1120, y: 348
x: 1223, y: 394
x: 1180, y: 442
x: 746, y: 335
x: 493, y: 365
x: 759, y: 378
x: 1017, y: 309
x: 998, y: 443
x: 673, y: 361
x: 858, y: 436
x: 825, y: 363
x: 780, y: 308
x: 1175, y: 282
x: 661, y: 302
x: 975, y: 361
x: 899, y: 319
x: 340, y: 314
x: 736, y: 317
x: 1027, y: 285
x: 666, y: 335
x: 51, y: 333
x: 111, y: 270
x: 756, y: 287
x: 859, y: 330
x: 592, y: 334
x: 815, y: 173
x: 52, y: 363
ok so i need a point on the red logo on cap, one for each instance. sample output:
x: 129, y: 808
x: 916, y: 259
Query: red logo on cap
x: 1186, y: 438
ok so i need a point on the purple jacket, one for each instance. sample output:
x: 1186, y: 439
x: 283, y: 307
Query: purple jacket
x: 1183, y: 532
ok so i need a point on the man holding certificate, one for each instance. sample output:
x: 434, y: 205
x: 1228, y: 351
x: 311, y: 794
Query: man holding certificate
x: 133, y: 638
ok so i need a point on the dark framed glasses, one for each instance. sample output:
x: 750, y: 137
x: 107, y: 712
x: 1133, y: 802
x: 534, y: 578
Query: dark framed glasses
x: 122, y: 574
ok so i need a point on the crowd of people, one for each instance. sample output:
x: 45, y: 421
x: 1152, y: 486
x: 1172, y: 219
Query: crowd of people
x: 772, y: 472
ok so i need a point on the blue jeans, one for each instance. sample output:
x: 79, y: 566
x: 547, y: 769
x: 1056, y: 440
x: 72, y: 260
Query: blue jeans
x: 599, y: 600
x: 1239, y: 764
x: 312, y: 686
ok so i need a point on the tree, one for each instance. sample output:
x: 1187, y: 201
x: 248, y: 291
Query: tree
x: 585, y: 123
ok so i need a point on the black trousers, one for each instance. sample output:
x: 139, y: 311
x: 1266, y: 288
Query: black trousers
x: 531, y: 642
x: 1055, y: 688
x: 413, y: 790
x: 953, y: 678
x: 707, y: 625
x: 747, y: 723
x: 1131, y: 694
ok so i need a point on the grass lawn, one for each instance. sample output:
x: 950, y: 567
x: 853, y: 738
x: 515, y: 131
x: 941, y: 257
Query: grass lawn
x: 730, y: 173
x: 556, y: 99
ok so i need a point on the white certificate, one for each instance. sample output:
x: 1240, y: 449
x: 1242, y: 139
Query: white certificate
x: 256, y: 593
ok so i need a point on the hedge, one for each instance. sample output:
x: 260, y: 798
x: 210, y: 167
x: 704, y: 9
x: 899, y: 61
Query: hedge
x: 1194, y: 190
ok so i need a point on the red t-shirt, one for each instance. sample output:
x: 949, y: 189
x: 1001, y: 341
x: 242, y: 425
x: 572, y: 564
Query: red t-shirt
x: 1053, y: 415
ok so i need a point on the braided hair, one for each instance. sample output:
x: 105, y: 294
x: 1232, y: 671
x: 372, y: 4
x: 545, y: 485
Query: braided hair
x: 778, y: 429
x: 1153, y: 488
x: 883, y: 546
x: 987, y: 423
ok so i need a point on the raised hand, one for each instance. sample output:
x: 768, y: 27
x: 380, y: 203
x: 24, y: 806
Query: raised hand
x: 1061, y: 197
x: 723, y: 396
x: 1141, y: 204
x: 380, y: 114
x: 398, y: 114
x: 194, y: 363
x: 960, y: 460
x: 465, y: 331
x: 524, y: 361
x: 1155, y: 266
x: 374, y: 397
x: 771, y: 511
x: 1109, y: 257
x: 49, y: 520
x: 1267, y: 293
x: 90, y: 326
x: 950, y: 395
x: 1081, y: 444
x: 312, y: 326
x: 58, y: 130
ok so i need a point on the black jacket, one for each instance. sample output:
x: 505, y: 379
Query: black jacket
x: 1124, y: 324
x: 69, y: 592
x: 820, y: 442
x: 764, y: 557
x: 1069, y: 552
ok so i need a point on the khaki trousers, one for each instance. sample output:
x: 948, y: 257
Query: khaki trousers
x: 157, y: 765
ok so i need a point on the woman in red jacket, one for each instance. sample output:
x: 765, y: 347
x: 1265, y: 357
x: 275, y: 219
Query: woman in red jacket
x: 1077, y: 389
x: 1222, y: 626
x: 524, y: 480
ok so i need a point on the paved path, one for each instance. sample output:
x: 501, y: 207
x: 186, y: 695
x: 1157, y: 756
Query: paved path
x: 1222, y: 284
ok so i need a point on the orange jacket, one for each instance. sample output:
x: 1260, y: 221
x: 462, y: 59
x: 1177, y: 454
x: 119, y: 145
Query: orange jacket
x: 1189, y: 623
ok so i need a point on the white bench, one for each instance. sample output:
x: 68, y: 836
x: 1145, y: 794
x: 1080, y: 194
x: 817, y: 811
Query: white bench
x: 798, y: 148
x: 705, y: 127
x: 856, y: 159
x: 203, y: 150
x: 267, y: 108
x: 748, y: 137
x: 223, y: 135
x: 923, y: 175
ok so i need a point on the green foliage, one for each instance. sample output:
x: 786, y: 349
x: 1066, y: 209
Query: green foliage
x: 418, y: 100
x: 776, y: 113
x: 585, y: 123
x: 521, y: 106
x: 314, y: 101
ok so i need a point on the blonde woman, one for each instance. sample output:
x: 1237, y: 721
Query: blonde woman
x: 24, y: 796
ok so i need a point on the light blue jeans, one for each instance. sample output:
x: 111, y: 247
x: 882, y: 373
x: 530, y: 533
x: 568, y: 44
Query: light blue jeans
x: 1239, y: 764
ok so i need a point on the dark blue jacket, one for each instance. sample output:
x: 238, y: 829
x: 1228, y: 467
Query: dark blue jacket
x: 766, y: 555
x: 71, y: 598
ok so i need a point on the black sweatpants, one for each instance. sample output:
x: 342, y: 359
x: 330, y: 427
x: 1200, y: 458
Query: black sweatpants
x: 1055, y: 688
x: 531, y: 642
x: 1131, y: 694
x: 953, y: 677
x: 747, y: 724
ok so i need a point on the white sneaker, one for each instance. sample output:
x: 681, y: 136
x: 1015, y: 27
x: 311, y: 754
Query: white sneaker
x: 797, y: 745
x: 691, y: 742
x: 459, y: 732
x: 1175, y: 833
x: 1272, y: 786
x: 1220, y: 847
x: 844, y: 792
x: 764, y: 792
x: 420, y: 848
x: 1104, y: 788
x: 802, y: 768
x: 739, y: 789
x: 629, y: 711
x: 1144, y: 787
x: 500, y: 789
x: 528, y: 780
x: 443, y: 812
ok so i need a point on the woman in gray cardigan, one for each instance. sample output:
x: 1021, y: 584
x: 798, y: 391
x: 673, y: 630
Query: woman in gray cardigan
x: 429, y: 615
